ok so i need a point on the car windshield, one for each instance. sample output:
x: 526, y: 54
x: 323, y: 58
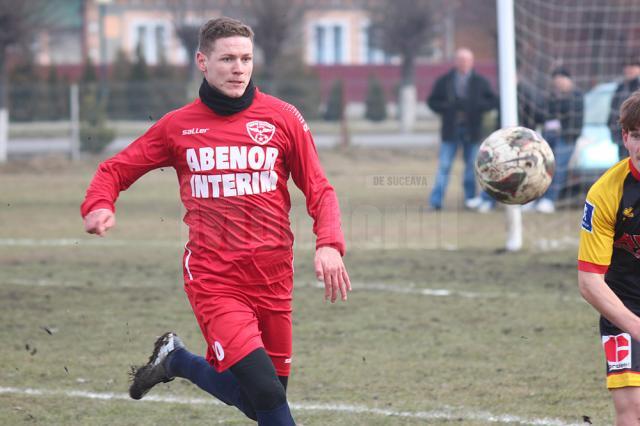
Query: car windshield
x: 597, y: 102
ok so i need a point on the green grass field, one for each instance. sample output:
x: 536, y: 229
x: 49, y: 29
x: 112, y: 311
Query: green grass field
x: 439, y: 329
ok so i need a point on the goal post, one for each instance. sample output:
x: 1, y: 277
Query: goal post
x: 508, y: 103
x: 559, y: 65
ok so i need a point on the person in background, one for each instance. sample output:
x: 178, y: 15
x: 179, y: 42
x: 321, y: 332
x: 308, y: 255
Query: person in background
x: 629, y: 84
x: 461, y: 97
x: 562, y: 118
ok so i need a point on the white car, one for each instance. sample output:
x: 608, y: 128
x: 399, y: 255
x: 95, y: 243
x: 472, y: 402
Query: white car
x: 594, y: 148
x: 595, y: 151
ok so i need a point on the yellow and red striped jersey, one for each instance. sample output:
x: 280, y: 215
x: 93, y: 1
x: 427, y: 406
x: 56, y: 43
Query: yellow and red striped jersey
x: 610, y: 230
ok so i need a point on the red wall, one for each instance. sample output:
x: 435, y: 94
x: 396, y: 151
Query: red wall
x: 356, y: 77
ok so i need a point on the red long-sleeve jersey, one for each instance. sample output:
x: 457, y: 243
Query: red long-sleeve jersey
x: 233, y: 173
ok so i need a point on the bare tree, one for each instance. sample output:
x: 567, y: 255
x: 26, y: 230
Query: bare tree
x: 274, y: 23
x: 188, y: 16
x: 18, y: 26
x: 17, y: 29
x: 405, y: 28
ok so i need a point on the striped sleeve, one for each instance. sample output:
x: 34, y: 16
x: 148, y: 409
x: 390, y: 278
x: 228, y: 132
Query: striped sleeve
x: 598, y: 223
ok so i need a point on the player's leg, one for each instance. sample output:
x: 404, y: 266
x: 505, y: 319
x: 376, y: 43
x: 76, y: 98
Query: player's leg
x: 274, y: 312
x: 284, y: 380
x: 445, y: 161
x: 263, y: 388
x: 562, y: 152
x: 170, y: 359
x: 469, y: 153
x: 273, y: 306
x: 237, y: 369
x: 622, y: 354
x: 251, y: 384
x: 222, y: 385
x: 230, y: 327
x: 244, y: 375
x: 627, y: 404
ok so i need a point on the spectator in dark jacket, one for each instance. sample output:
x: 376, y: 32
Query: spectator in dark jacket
x: 460, y: 97
x: 563, y: 116
x: 630, y: 83
x: 529, y: 105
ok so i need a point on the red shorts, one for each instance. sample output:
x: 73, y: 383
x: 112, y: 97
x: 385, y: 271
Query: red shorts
x: 236, y: 320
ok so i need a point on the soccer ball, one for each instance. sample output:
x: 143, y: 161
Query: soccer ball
x: 515, y: 165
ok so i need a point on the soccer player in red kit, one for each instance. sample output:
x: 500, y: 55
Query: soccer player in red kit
x: 233, y: 150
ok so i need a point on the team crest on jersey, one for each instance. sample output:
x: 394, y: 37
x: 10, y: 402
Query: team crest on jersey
x: 260, y: 131
x: 587, y: 216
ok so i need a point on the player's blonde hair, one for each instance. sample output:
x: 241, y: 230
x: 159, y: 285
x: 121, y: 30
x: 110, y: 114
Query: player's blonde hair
x: 630, y: 112
x: 222, y: 27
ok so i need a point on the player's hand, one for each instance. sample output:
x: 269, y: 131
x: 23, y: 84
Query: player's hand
x: 331, y: 270
x: 99, y: 221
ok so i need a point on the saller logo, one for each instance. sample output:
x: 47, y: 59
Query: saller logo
x: 194, y: 131
x: 260, y: 131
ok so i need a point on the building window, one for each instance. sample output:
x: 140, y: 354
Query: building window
x: 141, y: 40
x: 320, y: 47
x: 160, y: 43
x: 151, y: 38
x: 329, y: 43
x: 337, y: 44
x: 371, y: 54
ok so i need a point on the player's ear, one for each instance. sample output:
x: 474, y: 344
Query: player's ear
x: 201, y: 61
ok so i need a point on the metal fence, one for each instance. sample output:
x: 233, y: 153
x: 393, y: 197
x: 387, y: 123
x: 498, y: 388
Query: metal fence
x: 117, y: 101
x: 144, y: 100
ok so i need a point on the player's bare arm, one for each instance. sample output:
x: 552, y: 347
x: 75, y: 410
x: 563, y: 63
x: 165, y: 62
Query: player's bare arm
x: 330, y: 269
x: 595, y: 290
x: 99, y: 221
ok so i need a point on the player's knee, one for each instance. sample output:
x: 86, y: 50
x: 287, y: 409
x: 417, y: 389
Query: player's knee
x: 264, y: 395
x: 627, y: 405
x: 627, y: 416
x: 259, y: 381
x: 268, y: 394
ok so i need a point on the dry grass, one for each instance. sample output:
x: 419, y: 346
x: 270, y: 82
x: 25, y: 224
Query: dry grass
x: 526, y: 345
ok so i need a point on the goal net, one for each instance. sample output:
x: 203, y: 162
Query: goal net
x: 591, y: 41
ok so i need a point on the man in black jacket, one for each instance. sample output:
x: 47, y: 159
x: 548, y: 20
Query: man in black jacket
x: 563, y: 116
x: 630, y: 83
x: 460, y: 97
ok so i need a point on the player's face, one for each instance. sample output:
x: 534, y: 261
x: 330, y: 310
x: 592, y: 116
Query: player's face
x: 229, y: 66
x: 631, y: 140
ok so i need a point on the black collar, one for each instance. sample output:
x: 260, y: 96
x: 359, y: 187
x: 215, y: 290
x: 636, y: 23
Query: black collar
x: 222, y: 104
